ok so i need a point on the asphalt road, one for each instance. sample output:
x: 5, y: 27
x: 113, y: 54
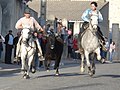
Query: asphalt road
x: 107, y: 77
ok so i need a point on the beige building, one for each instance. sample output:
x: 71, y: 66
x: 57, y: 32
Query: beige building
x: 71, y: 10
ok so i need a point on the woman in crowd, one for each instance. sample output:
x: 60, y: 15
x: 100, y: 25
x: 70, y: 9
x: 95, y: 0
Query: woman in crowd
x: 111, y: 51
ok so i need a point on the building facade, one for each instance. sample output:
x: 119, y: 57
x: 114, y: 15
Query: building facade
x: 114, y: 25
x: 10, y: 12
x: 71, y: 10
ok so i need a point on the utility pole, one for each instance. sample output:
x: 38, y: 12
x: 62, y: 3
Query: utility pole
x: 43, y: 12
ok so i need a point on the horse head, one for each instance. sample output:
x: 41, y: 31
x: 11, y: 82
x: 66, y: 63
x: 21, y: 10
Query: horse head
x: 25, y: 35
x: 93, y: 22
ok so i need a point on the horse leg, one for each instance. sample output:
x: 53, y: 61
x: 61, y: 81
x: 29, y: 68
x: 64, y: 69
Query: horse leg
x: 33, y: 65
x: 30, y: 60
x: 93, y: 67
x: 48, y: 65
x: 56, y: 67
x: 93, y: 63
x: 97, y: 51
x: 57, y: 72
x: 88, y: 63
x: 23, y: 68
x: 82, y: 63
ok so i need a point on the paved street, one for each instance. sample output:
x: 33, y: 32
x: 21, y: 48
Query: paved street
x: 107, y: 77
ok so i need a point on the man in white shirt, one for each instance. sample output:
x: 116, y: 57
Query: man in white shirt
x: 32, y: 23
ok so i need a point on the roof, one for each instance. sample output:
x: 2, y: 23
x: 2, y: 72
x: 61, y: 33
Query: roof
x: 69, y: 10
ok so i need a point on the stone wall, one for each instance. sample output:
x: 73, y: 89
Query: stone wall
x: 115, y: 38
x: 105, y: 24
x: 11, y: 10
x: 9, y: 14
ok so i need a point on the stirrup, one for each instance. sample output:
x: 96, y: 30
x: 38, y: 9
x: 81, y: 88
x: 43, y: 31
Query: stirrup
x: 77, y: 51
x: 41, y: 58
x: 16, y: 58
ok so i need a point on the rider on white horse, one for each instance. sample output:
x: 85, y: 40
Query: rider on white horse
x: 92, y: 14
x: 28, y: 22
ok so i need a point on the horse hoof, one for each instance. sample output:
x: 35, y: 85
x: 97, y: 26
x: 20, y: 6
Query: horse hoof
x: 82, y: 70
x: 27, y: 76
x: 24, y: 76
x: 90, y: 73
x: 99, y: 58
x: 103, y: 61
x: 33, y: 71
x: 93, y: 72
x: 48, y: 70
x: 57, y: 74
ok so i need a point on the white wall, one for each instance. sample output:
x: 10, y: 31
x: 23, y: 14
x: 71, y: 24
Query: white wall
x: 76, y: 29
x: 114, y: 12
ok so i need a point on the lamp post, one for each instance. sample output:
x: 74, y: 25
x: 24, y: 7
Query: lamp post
x: 43, y: 13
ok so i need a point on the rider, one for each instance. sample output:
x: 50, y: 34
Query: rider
x: 28, y: 20
x: 87, y: 16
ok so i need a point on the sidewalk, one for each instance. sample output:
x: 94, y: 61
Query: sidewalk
x: 9, y: 68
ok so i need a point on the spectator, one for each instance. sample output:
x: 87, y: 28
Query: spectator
x: 63, y: 33
x: 106, y: 46
x: 112, y: 51
x: 8, y: 47
x: 75, y: 48
x: 69, y: 47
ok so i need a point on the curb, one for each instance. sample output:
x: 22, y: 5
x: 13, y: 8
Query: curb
x: 10, y: 71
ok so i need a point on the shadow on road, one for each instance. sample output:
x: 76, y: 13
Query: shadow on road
x: 112, y: 76
x: 78, y: 86
x: 62, y: 75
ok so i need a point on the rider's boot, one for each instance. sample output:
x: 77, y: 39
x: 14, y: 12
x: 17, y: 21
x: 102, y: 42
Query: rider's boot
x: 101, y: 38
x: 18, y: 49
x: 39, y: 50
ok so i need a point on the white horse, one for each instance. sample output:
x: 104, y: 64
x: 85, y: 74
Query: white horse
x: 90, y: 44
x: 27, y: 51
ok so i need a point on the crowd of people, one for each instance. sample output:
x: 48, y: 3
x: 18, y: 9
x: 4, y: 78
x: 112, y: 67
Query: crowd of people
x: 72, y: 43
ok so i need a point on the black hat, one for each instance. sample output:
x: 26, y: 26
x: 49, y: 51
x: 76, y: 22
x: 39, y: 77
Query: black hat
x: 27, y: 11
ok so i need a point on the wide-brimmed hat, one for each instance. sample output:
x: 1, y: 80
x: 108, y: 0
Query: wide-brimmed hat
x: 27, y: 11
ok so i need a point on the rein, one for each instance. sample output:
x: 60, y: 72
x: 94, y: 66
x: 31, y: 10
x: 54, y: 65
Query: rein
x: 27, y: 44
